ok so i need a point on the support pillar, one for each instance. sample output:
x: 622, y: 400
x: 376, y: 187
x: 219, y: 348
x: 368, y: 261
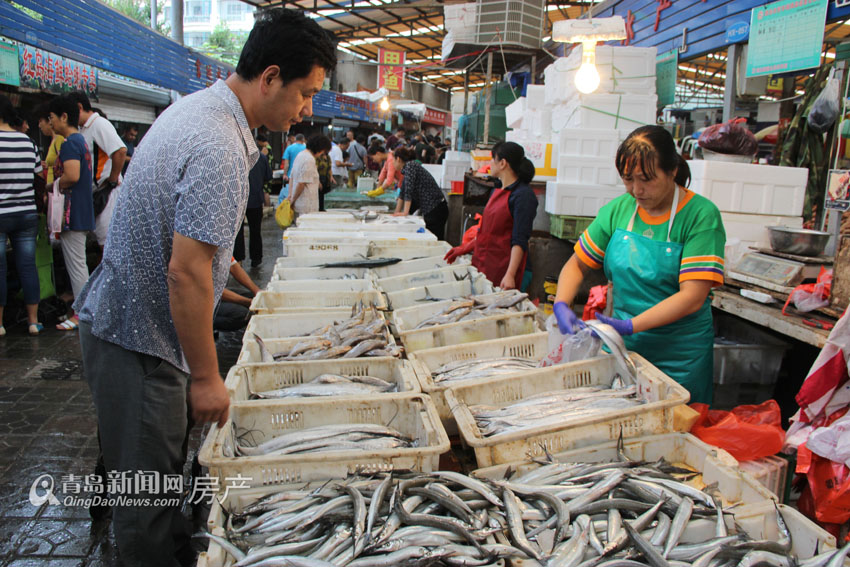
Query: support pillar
x: 489, y: 79
x: 730, y: 88
x: 177, y: 21
x: 153, y: 15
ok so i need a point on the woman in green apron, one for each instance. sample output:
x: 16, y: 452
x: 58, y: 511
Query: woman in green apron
x: 661, y: 246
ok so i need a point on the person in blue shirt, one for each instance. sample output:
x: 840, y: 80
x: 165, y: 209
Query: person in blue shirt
x: 289, y: 154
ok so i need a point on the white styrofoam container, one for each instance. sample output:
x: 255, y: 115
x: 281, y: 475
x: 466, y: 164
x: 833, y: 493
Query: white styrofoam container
x: 426, y: 277
x: 448, y: 290
x: 485, y: 329
x: 750, y: 188
x: 318, y: 252
x: 365, y: 183
x: 453, y: 155
x: 454, y: 171
x: 533, y: 346
x: 515, y: 112
x: 267, y: 302
x: 282, y: 273
x: 579, y: 200
x: 556, y: 85
x: 417, y: 265
x: 751, y: 230
x: 661, y: 393
x: 621, y: 69
x: 516, y: 136
x: 715, y: 465
x: 326, y: 216
x: 409, y: 250
x: 436, y: 171
x: 606, y: 111
x: 539, y: 124
x: 407, y: 318
x: 536, y: 95
x: 292, y: 324
x: 589, y: 142
x: 414, y: 415
x: 245, y: 379
x: 585, y: 170
x: 325, y: 286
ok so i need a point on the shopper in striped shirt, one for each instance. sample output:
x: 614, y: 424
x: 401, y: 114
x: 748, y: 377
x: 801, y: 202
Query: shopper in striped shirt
x: 20, y: 165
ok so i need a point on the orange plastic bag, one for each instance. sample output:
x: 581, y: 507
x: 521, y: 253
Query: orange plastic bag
x: 829, y: 483
x: 472, y: 231
x: 747, y: 432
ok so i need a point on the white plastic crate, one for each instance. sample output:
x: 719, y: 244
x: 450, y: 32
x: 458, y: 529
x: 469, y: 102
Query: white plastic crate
x: 267, y: 302
x: 407, y: 318
x: 533, y: 346
x: 515, y: 112
x: 359, y: 227
x: 606, y: 111
x: 318, y: 252
x: 323, y: 286
x: 579, y: 200
x: 661, y: 393
x: 771, y: 472
x: 326, y: 216
x: 284, y: 262
x: 589, y: 142
x: 282, y: 273
x: 585, y: 170
x: 494, y: 327
x: 250, y: 353
x: 449, y: 290
x: 750, y: 188
x: 436, y: 171
x: 409, y: 250
x: 426, y: 277
x: 715, y: 465
x: 536, y: 95
x: 365, y: 183
x: 390, y: 235
x: 414, y: 415
x: 292, y: 324
x: 245, y: 379
x: 751, y: 230
x: 417, y: 265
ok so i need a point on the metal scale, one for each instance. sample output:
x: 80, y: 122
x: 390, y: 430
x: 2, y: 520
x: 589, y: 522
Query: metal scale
x: 778, y: 271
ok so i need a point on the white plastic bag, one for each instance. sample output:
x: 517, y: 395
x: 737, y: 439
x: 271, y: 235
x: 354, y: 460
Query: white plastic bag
x: 567, y: 348
x: 824, y: 110
x: 55, y: 210
x: 805, y: 301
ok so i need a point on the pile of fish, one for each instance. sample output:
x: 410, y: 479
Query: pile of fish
x: 325, y: 438
x: 476, y: 307
x: 481, y: 368
x: 364, y: 334
x: 622, y: 514
x: 331, y: 385
x: 555, y: 407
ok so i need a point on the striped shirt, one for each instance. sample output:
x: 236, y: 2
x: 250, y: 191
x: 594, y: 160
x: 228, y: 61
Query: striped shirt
x: 19, y: 163
x: 698, y: 227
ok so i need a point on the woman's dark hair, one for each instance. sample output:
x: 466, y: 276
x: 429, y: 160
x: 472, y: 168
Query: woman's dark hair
x: 66, y: 104
x: 318, y: 143
x: 649, y: 147
x: 261, y: 138
x: 376, y: 149
x: 513, y: 153
x: 288, y: 39
x: 405, y: 154
x: 7, y: 110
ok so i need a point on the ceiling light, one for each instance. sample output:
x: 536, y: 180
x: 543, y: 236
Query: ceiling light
x: 588, y: 32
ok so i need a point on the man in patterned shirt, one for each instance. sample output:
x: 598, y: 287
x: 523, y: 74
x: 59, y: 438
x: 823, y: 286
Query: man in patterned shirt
x: 146, y: 313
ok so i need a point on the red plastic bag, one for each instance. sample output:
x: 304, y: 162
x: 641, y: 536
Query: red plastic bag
x: 747, y: 432
x: 597, y: 300
x: 829, y: 483
x: 729, y: 138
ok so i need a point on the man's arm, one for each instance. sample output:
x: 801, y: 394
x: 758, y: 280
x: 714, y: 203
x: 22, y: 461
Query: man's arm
x: 240, y: 275
x: 233, y: 297
x: 190, y: 292
x: 118, y: 157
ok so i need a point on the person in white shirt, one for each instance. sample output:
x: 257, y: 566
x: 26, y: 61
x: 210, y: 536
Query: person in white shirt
x: 108, y: 153
x: 304, y: 179
x: 339, y: 165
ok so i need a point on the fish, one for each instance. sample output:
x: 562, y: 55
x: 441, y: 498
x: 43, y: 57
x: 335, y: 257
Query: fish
x: 474, y: 307
x: 362, y: 263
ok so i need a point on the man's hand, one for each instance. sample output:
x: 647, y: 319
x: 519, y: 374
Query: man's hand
x: 208, y: 399
x: 400, y: 214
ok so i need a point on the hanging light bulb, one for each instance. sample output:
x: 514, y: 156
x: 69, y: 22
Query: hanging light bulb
x: 385, y: 104
x: 587, y: 77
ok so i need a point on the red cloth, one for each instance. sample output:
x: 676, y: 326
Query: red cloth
x: 493, y: 243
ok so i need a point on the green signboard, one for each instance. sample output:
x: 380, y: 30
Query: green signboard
x: 9, y: 74
x: 666, y: 67
x: 786, y: 36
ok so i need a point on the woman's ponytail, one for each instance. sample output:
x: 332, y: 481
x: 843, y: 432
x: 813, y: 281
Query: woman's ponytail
x: 526, y: 171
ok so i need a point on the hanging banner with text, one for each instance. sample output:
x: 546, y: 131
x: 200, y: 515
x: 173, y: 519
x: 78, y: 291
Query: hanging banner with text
x: 9, y: 72
x: 391, y: 70
x: 47, y: 71
x: 786, y: 36
x: 666, y: 68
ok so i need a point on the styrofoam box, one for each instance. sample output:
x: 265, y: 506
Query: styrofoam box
x: 268, y: 302
x: 485, y: 329
x: 751, y: 230
x: 556, y: 87
x: 436, y: 171
x: 452, y: 155
x: 407, y: 318
x: 417, y: 265
x: 539, y: 123
x: 589, y: 142
x: 610, y: 111
x: 579, y: 200
x: 324, y: 286
x: 409, y: 250
x: 245, y: 379
x: 621, y: 69
x: 455, y: 170
x: 660, y: 392
x: 750, y: 188
x: 715, y: 465
x: 536, y: 95
x: 515, y: 112
x: 587, y: 170
x: 319, y: 252
x: 449, y: 290
x: 293, y: 324
x: 533, y: 346
x: 414, y: 415
x: 516, y: 136
x: 325, y: 216
x: 426, y: 277
x: 282, y: 273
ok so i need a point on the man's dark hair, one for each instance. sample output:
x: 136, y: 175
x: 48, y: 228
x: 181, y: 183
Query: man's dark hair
x: 66, y: 104
x: 7, y: 110
x: 262, y: 138
x: 299, y: 138
x: 318, y: 143
x: 131, y: 127
x: 343, y: 142
x: 42, y: 112
x: 17, y: 121
x: 79, y: 97
x: 288, y: 39
x: 361, y: 139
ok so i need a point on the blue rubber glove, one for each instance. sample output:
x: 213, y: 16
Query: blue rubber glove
x: 622, y: 326
x: 568, y: 321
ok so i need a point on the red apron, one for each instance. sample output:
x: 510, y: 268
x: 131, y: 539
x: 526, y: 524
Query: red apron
x: 492, y: 253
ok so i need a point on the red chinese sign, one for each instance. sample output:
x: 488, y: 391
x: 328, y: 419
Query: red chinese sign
x: 208, y: 73
x: 437, y: 117
x: 391, y: 70
x: 46, y: 71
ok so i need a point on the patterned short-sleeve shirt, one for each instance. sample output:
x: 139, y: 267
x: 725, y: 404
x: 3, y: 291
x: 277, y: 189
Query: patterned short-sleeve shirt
x: 189, y: 175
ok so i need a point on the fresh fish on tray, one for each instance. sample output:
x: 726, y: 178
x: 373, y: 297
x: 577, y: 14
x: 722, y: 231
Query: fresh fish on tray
x: 340, y: 437
x: 362, y: 263
x: 481, y: 368
x: 476, y: 307
x: 331, y: 385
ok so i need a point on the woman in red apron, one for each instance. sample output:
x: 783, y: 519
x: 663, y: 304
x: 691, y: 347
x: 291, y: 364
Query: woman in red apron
x: 501, y: 247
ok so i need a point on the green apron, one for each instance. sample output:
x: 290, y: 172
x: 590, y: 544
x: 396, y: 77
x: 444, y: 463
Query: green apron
x: 644, y: 273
